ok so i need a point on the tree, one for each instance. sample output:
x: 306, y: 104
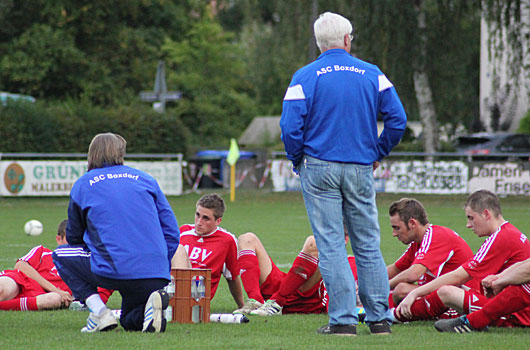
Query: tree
x: 208, y: 68
x: 422, y: 85
x: 508, y: 32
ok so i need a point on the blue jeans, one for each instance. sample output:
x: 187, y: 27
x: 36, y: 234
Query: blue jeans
x: 344, y: 192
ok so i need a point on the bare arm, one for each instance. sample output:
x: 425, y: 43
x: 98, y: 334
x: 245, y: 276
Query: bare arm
x: 236, y: 291
x: 392, y: 271
x: 454, y: 278
x: 410, y: 275
x: 26, y: 268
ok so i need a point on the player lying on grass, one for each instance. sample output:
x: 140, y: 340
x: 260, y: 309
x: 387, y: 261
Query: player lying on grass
x: 272, y: 291
x: 432, y: 250
x: 212, y: 247
x: 35, y: 284
x: 505, y: 246
x: 511, y: 289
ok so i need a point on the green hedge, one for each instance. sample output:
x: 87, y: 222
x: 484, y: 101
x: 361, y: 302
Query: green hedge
x: 69, y: 127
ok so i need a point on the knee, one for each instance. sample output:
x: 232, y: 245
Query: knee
x: 446, y: 293
x: 310, y: 247
x: 49, y: 301
x: 247, y: 240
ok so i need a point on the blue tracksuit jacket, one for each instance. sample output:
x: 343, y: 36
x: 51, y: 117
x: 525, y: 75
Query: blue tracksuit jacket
x: 331, y: 107
x: 123, y: 217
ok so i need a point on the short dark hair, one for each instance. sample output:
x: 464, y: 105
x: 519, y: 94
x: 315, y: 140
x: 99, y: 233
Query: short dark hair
x: 409, y: 208
x: 106, y: 149
x: 483, y: 199
x: 61, y: 229
x: 213, y: 202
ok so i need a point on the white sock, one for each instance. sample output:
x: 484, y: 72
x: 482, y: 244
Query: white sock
x: 95, y: 304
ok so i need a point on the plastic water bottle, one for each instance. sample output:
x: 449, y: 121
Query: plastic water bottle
x: 229, y: 318
x: 201, y: 288
x: 170, y: 290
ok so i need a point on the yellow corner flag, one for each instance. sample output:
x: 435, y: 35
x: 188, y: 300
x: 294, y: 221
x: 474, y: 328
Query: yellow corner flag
x: 233, y: 153
x: 231, y: 159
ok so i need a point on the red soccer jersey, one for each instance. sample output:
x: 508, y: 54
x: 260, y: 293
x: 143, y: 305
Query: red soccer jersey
x: 216, y: 251
x: 441, y: 251
x: 499, y: 251
x: 40, y: 259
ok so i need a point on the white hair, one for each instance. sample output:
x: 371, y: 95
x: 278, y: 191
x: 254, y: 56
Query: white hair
x: 330, y: 29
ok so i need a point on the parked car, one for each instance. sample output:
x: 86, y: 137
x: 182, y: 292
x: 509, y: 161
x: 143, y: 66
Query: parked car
x: 495, y: 145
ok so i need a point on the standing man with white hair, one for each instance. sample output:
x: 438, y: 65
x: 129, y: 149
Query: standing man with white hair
x: 329, y: 128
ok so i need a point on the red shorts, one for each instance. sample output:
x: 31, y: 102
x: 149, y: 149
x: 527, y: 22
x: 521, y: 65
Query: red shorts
x: 473, y: 300
x: 310, y: 301
x: 28, y: 287
x: 272, y: 282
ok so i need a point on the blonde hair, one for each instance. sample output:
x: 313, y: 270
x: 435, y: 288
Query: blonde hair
x: 106, y: 149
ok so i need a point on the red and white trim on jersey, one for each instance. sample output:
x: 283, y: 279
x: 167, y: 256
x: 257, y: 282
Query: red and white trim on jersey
x: 526, y: 287
x: 484, y: 249
x: 426, y: 241
x: 31, y: 253
x: 440, y: 268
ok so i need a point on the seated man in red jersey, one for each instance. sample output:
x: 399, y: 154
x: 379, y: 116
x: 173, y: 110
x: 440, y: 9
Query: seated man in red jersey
x: 510, y: 292
x: 212, y: 247
x: 505, y: 246
x: 35, y: 284
x: 432, y: 250
x: 272, y: 291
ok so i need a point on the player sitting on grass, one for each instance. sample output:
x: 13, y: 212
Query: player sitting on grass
x: 300, y: 290
x: 504, y: 247
x: 432, y: 250
x: 512, y: 294
x: 212, y: 247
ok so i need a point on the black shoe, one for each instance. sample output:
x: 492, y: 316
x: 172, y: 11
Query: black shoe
x: 340, y: 329
x: 381, y: 327
x: 456, y: 325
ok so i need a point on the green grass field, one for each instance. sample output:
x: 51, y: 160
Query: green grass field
x: 280, y: 220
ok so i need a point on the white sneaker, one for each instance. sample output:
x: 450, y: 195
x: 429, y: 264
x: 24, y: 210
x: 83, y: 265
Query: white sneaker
x: 76, y: 305
x: 100, y: 323
x: 270, y: 308
x: 116, y: 313
x: 250, y: 305
x: 154, y: 319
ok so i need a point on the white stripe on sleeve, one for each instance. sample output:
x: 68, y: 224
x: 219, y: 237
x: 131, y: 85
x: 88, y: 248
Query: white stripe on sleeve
x: 294, y: 92
x: 384, y: 83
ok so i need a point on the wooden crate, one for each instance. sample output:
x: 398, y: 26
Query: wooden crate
x: 186, y: 307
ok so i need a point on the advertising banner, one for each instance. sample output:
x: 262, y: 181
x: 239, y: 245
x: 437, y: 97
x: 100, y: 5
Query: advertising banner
x: 56, y: 178
x: 500, y: 178
x: 426, y: 177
